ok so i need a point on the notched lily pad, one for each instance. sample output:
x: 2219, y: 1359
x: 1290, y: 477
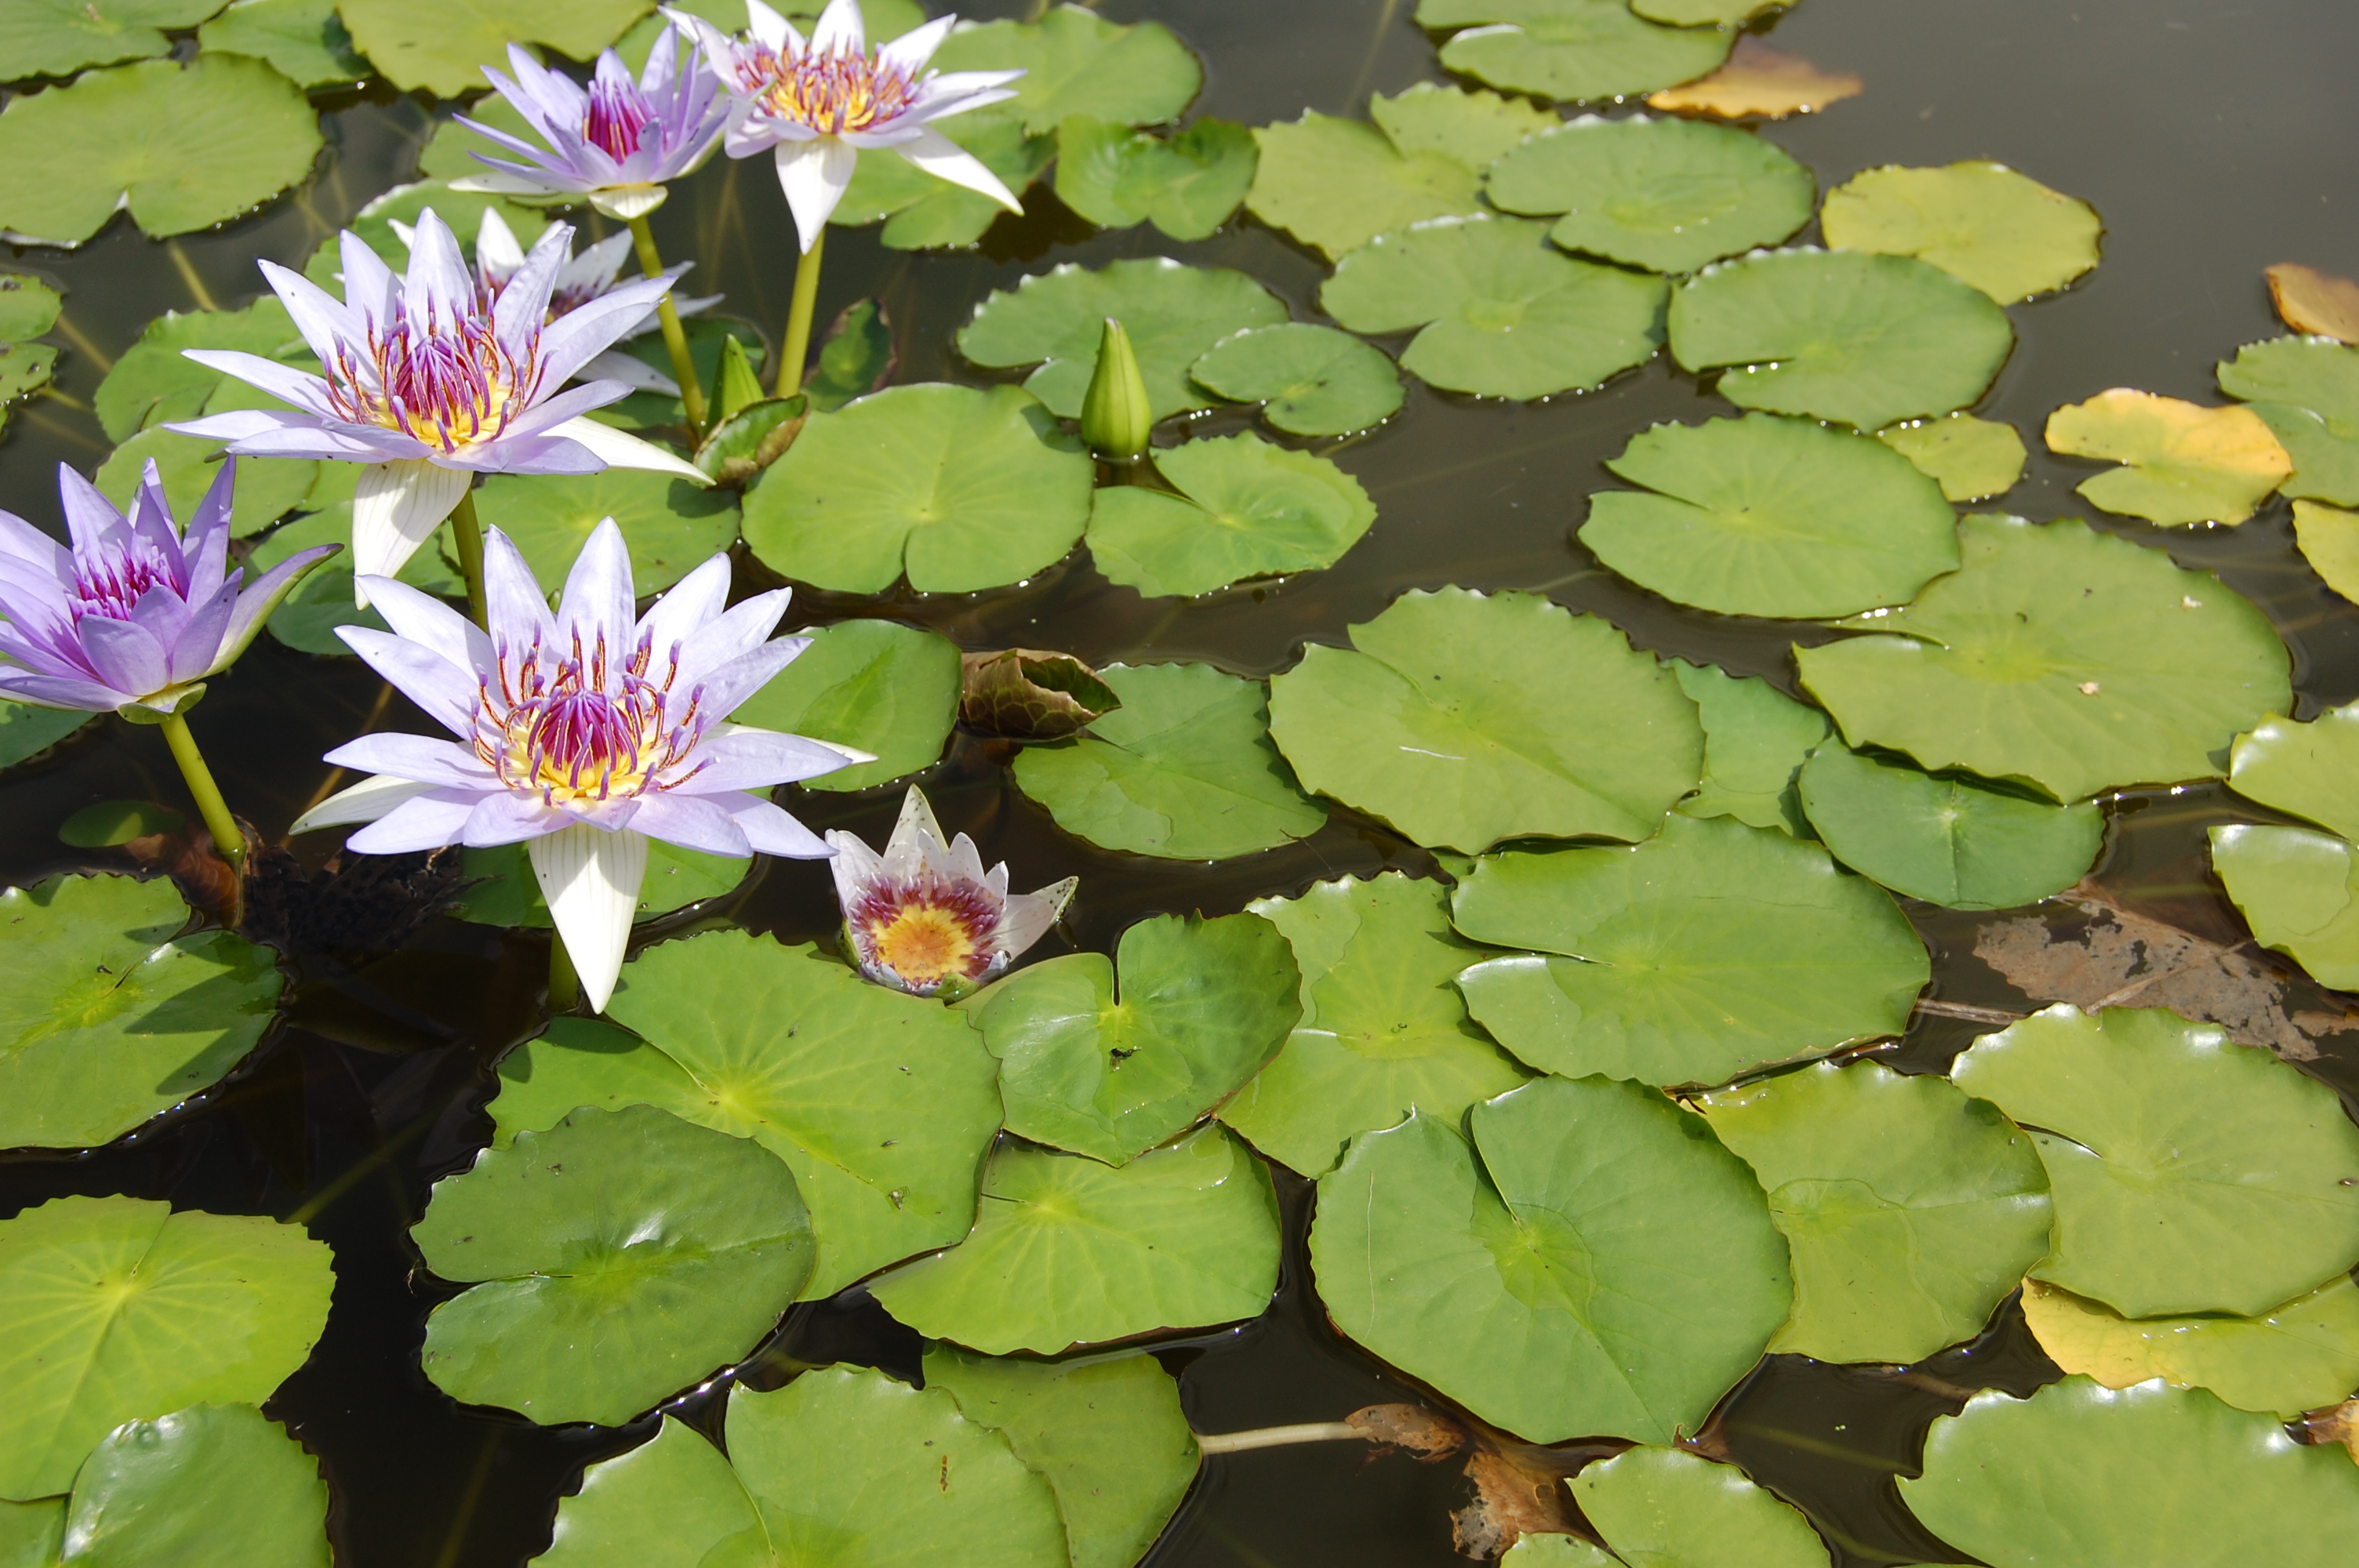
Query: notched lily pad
x: 2299, y: 891
x: 1243, y: 509
x: 1028, y: 694
x: 2299, y: 1357
x: 440, y: 45
x: 1756, y: 739
x: 1971, y: 458
x: 2308, y: 391
x: 58, y: 37
x: 1188, y: 186
x: 1075, y: 62
x: 1570, y: 50
x: 875, y: 686
x: 304, y: 40
x: 2005, y: 232
x: 2328, y: 537
x: 163, y: 1490
x: 1953, y: 841
x: 1669, y: 1506
x: 1310, y: 381
x: 2181, y: 463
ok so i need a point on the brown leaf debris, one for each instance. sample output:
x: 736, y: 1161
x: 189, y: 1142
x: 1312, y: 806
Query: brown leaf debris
x: 1759, y: 79
x: 2316, y: 302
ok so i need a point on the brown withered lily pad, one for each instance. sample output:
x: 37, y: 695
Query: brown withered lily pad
x: 2315, y: 302
x: 1026, y: 693
x: 1760, y: 80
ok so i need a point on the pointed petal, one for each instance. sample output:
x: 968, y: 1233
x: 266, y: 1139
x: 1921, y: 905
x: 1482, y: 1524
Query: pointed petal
x: 364, y: 802
x: 770, y: 29
x: 419, y: 617
x: 838, y: 29
x: 772, y: 831
x: 945, y: 159
x: 748, y: 758
x: 437, y: 281
x: 621, y: 449
x: 815, y: 175
x: 430, y: 819
x: 498, y: 253
x: 1026, y: 917
x: 523, y: 305
x: 692, y: 822
x: 513, y: 603
x: 590, y: 878
x: 612, y: 364
x: 569, y: 341
x: 91, y: 518
x: 913, y: 48
x: 369, y: 284
x: 299, y: 387
x: 442, y: 691
x: 597, y: 604
x: 61, y: 691
x: 325, y: 321
x: 443, y: 763
x: 260, y: 598
x: 691, y: 602
x: 395, y: 508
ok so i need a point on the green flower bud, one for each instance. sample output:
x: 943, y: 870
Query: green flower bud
x: 1116, y: 418
x: 734, y: 388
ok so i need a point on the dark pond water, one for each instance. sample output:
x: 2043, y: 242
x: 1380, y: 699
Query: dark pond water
x: 2214, y: 137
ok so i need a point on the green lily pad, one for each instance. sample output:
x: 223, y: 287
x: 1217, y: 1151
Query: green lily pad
x: 32, y: 1534
x: 2328, y: 537
x: 502, y: 890
x: 1182, y: 1236
x: 1704, y: 13
x: 1469, y: 126
x: 1548, y: 1550
x: 883, y: 1104
x: 27, y: 731
x: 2295, y: 890
x: 121, y: 1310
x: 2003, y: 232
x: 1188, y: 185
x: 1310, y: 381
x: 28, y: 307
x: 441, y: 45
x: 1756, y: 739
x: 24, y: 369
x: 1244, y: 509
x: 1464, y: 718
x: 1107, y: 1430
x: 308, y: 617
x: 1173, y: 314
x: 1571, y: 50
x: 1912, y: 1210
x: 672, y: 526
x: 1972, y: 458
x: 2308, y: 390
x: 107, y: 1017
x: 2061, y: 655
x: 2181, y: 463
x: 1666, y: 195
x: 1184, y: 769
x: 2302, y: 769
x: 857, y: 359
x: 59, y: 38
x: 1950, y: 841
x: 1613, y: 1276
x: 2083, y: 1474
x: 1679, y: 1509
x: 876, y: 685
x: 305, y: 40
x: 1840, y: 335
x: 2191, y: 1174
x: 613, y: 1259
x: 957, y: 487
x: 1498, y: 311
x: 184, y: 147
x: 1204, y: 1003
x: 1075, y: 62
x: 154, y: 381
x: 211, y: 1484
x: 923, y: 211
x: 267, y: 487
x: 1384, y: 1030
x: 1760, y: 515
x: 1711, y: 950
x: 2302, y: 1356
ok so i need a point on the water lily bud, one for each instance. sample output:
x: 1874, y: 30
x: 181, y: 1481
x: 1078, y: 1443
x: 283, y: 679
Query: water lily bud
x: 734, y: 388
x: 1116, y: 418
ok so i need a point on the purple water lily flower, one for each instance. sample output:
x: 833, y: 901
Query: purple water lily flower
x: 581, y: 733
x: 136, y: 615
x: 430, y: 384
x: 614, y: 144
x: 817, y: 105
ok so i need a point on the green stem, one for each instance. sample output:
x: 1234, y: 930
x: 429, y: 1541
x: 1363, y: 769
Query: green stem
x: 227, y: 838
x: 564, y: 985
x: 797, y: 353
x: 467, y: 530
x: 683, y: 369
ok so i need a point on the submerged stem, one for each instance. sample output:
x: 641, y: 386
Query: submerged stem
x: 467, y: 531
x: 795, y: 351
x: 1278, y: 1436
x: 683, y: 369
x: 564, y: 985
x: 227, y: 838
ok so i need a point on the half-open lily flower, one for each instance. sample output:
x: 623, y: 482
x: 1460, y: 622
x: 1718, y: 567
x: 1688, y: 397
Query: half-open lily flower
x: 430, y: 384
x: 136, y: 614
x: 582, y: 734
x: 925, y: 914
x: 614, y: 144
x: 819, y: 103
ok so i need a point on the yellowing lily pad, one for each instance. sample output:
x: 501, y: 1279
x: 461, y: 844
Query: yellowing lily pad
x: 2183, y: 463
x: 1759, y: 80
x: 2328, y: 537
x: 2006, y: 233
x: 2310, y: 301
x: 2302, y: 1355
x: 1972, y: 458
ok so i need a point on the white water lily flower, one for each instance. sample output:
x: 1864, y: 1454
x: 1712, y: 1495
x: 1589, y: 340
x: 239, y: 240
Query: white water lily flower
x: 817, y: 105
x: 925, y: 914
x: 582, y: 734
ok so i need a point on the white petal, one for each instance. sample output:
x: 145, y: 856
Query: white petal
x: 364, y: 802
x: 590, y: 878
x: 629, y: 201
x: 770, y: 29
x: 945, y: 159
x: 620, y: 450
x: 498, y: 182
x: 396, y: 506
x: 838, y: 29
x: 615, y: 365
x: 497, y: 253
x: 814, y: 175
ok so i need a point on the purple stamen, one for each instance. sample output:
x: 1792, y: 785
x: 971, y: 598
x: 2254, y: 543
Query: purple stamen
x: 619, y: 112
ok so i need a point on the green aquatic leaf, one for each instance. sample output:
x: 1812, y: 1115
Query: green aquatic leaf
x: 59, y: 38
x: 2328, y: 537
x: 652, y: 414
x: 612, y: 1260
x: 923, y: 211
x: 1203, y: 1005
x: 1542, y: 1549
x: 1614, y: 1274
x: 183, y: 148
x: 1075, y: 62
x: 501, y: 889
x: 121, y: 1310
x: 24, y: 369
x: 2083, y: 1474
x: 1184, y: 769
x: 2302, y: 769
x: 1840, y: 335
x: 1384, y: 1030
x: 1763, y: 515
x: 28, y: 307
x: 267, y: 487
x: 2191, y: 1174
x: 956, y: 487
x: 1952, y: 840
x: 1188, y: 185
x: 1703, y: 13
x: 304, y: 40
x: 857, y: 359
x: 442, y: 44
x: 306, y: 618
x: 154, y: 381
x: 2181, y: 463
x: 1467, y: 124
x: 2302, y: 1356
x: 1173, y: 314
x: 1708, y: 951
x: 1243, y: 509
x: 1464, y: 718
x: 2061, y: 655
x: 669, y: 1503
x: 210, y: 1484
x: 1756, y: 739
x: 1571, y: 50
x: 1107, y: 1432
x: 1912, y: 1210
x: 1666, y: 195
x: 671, y: 525
x: 1182, y: 1236
x: 2003, y: 232
x: 107, y: 1017
x: 2295, y: 890
x: 876, y: 685
x: 32, y: 1534
x: 27, y: 731
x: 1972, y: 458
x: 1310, y: 381
x: 2308, y: 390
x: 883, y: 1104
x: 1497, y: 310
x: 1666, y: 1506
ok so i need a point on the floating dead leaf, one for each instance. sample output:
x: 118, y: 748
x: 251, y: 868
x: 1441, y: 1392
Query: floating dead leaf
x: 1429, y: 1435
x: 1024, y: 694
x: 1759, y: 79
x: 2316, y: 302
x: 1518, y: 1491
x: 2339, y: 1425
x: 2182, y: 462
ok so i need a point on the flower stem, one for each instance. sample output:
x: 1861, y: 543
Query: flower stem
x: 1278, y: 1436
x: 564, y: 985
x: 683, y: 369
x: 467, y: 530
x: 797, y: 350
x: 227, y: 838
